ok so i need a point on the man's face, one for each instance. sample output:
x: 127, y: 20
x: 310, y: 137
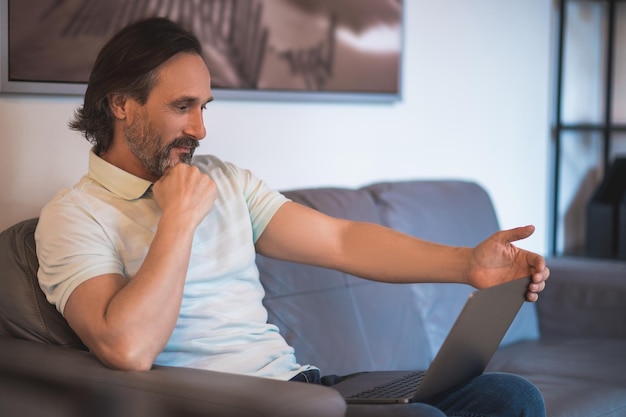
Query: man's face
x: 152, y: 150
x: 166, y: 129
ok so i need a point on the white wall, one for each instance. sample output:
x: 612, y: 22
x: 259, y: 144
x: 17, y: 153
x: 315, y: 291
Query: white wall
x: 476, y: 105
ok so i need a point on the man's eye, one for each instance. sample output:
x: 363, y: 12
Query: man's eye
x: 182, y: 108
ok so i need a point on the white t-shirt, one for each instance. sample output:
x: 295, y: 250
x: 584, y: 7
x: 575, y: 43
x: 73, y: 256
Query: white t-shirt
x: 106, y: 223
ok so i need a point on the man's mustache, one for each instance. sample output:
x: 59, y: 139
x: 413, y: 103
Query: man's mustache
x: 185, y: 142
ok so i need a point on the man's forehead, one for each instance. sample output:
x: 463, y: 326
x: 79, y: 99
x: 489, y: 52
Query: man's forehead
x: 184, y: 77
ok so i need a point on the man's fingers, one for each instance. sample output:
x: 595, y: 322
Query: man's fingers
x: 531, y: 297
x: 518, y: 233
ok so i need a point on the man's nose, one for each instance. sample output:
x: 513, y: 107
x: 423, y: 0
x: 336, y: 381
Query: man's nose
x: 195, y: 128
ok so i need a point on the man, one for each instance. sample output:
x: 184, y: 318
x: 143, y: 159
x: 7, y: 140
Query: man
x: 150, y: 257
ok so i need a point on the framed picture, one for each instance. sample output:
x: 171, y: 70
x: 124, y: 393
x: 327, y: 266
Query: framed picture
x: 255, y: 49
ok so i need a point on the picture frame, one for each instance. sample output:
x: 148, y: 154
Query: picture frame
x: 304, y: 50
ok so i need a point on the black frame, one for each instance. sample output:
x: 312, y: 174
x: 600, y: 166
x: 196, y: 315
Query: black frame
x: 606, y: 128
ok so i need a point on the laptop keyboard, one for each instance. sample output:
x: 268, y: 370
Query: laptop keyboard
x: 398, y: 388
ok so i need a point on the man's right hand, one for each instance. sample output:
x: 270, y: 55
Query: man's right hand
x: 185, y: 193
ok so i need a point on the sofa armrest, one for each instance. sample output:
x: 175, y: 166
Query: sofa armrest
x: 584, y: 298
x: 71, y: 383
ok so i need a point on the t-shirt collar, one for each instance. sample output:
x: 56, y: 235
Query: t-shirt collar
x: 116, y: 180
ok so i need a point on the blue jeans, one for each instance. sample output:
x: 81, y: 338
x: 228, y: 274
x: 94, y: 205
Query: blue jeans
x: 487, y: 395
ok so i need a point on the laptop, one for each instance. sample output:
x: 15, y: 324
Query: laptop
x: 464, y: 354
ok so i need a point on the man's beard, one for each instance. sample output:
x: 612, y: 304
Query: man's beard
x: 150, y: 149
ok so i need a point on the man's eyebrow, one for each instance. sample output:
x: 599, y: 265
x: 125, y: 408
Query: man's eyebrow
x: 188, y: 100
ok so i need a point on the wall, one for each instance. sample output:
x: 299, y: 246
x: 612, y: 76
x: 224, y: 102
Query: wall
x: 476, y: 105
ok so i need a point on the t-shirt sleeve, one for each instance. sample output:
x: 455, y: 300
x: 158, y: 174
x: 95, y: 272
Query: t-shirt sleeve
x: 72, y: 247
x: 263, y: 202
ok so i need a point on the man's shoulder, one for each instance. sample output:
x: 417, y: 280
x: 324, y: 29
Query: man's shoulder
x: 208, y: 162
x: 218, y: 169
x: 70, y: 210
x: 77, y: 205
x: 78, y: 194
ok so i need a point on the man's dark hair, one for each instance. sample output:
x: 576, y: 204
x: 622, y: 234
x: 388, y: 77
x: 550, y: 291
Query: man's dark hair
x: 127, y: 64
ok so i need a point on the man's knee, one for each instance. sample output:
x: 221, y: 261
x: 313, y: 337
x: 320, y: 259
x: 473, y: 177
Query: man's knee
x: 490, y: 394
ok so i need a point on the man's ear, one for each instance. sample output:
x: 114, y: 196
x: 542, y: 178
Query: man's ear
x: 118, y: 103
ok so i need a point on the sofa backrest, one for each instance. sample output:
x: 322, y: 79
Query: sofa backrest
x: 345, y: 324
x: 24, y: 311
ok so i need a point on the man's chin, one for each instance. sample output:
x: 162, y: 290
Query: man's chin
x: 181, y: 155
x: 186, y: 158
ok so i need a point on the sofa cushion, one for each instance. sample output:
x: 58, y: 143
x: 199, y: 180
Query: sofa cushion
x: 457, y: 213
x: 598, y: 309
x: 24, y: 311
x: 577, y: 377
x: 589, y: 359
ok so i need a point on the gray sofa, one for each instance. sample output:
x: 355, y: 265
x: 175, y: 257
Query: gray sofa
x: 571, y: 344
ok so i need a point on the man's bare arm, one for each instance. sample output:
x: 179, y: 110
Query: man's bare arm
x: 300, y: 234
x: 126, y: 323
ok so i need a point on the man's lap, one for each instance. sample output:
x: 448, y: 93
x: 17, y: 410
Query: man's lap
x: 489, y: 394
